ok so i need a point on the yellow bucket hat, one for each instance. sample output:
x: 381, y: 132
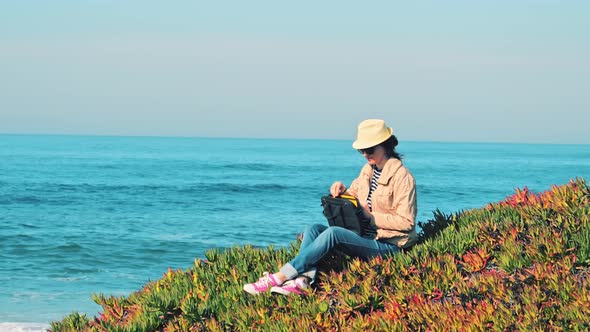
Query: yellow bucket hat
x: 371, y: 132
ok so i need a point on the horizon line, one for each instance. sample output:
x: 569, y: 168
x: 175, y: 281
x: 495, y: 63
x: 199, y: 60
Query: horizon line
x: 282, y: 138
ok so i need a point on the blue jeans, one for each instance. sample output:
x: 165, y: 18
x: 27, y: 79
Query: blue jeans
x: 319, y: 240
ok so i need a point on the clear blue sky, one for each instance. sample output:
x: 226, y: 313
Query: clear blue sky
x: 472, y: 70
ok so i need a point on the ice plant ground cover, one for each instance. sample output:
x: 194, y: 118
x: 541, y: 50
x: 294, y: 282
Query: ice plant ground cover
x: 521, y: 264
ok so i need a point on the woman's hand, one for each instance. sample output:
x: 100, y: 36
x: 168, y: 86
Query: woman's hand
x: 338, y: 188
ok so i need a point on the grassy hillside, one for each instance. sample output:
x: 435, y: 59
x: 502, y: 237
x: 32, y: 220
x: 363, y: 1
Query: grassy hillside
x: 520, y: 264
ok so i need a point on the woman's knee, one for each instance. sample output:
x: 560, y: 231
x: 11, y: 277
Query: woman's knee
x: 336, y: 233
x: 315, y: 228
x: 312, y: 231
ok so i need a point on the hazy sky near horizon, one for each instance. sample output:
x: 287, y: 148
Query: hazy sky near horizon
x: 482, y: 71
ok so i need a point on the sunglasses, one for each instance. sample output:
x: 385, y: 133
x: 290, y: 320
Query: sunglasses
x: 368, y: 151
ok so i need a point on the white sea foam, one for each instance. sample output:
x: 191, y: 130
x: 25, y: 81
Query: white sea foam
x: 23, y: 327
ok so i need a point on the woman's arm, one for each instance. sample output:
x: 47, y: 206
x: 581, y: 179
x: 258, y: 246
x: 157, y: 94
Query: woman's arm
x: 403, y: 216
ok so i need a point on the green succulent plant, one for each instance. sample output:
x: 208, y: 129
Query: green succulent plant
x: 519, y: 264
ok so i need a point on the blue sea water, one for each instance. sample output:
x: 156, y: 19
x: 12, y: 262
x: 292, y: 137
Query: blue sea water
x: 89, y: 214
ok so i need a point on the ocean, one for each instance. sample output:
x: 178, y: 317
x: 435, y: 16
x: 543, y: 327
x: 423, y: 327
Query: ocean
x: 98, y: 214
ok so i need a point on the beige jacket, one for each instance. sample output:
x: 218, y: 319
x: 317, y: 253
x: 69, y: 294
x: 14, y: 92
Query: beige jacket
x: 393, y: 202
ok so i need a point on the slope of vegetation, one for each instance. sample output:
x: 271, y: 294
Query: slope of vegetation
x: 521, y: 264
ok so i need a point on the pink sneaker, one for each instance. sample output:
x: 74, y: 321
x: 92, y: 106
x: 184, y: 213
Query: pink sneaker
x: 263, y: 284
x: 297, y: 286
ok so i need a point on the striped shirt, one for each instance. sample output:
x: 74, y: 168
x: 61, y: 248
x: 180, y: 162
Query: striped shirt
x: 374, y: 178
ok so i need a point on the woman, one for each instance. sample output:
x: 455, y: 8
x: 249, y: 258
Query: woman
x: 387, y: 193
